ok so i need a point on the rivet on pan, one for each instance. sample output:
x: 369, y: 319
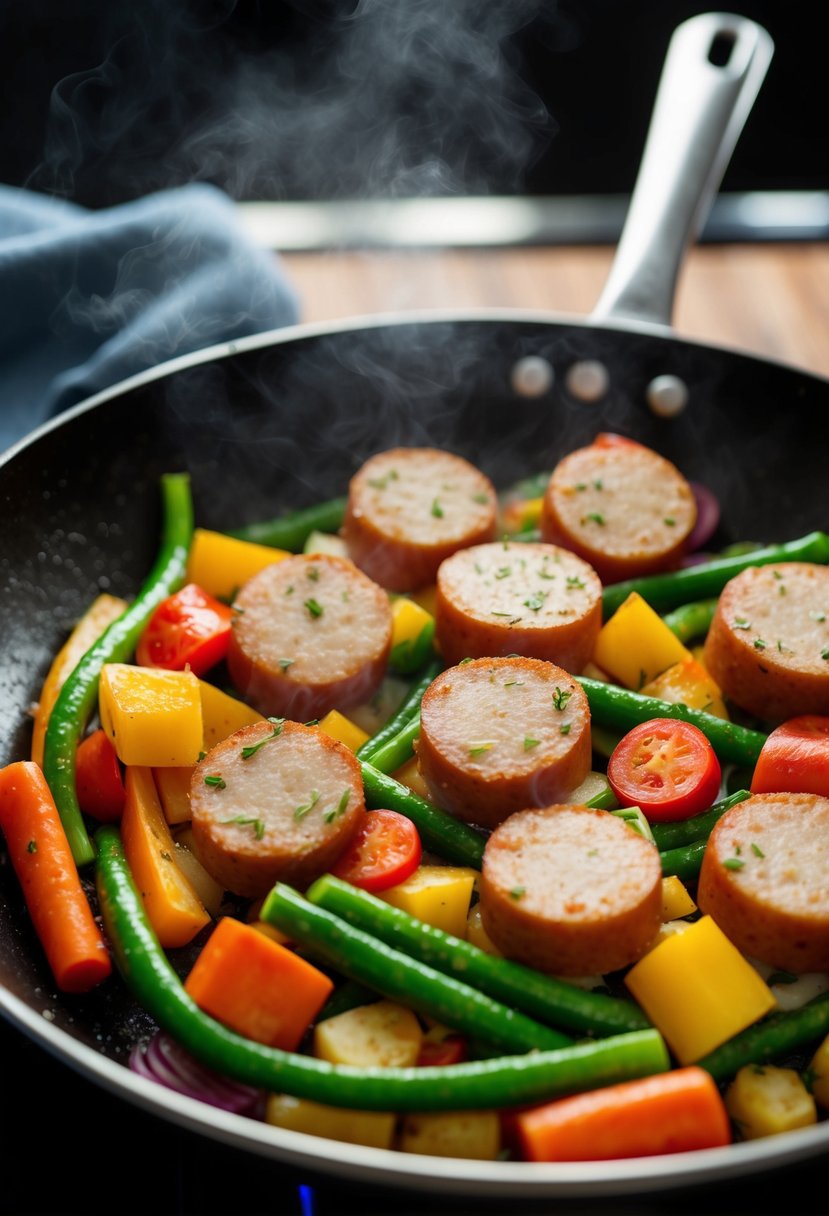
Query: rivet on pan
x: 667, y: 396
x: 588, y: 380
x: 532, y: 376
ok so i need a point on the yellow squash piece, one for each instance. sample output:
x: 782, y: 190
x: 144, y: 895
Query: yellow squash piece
x: 437, y: 895
x: 374, y: 1128
x: 381, y: 1035
x: 819, y: 1070
x: 698, y: 990
x: 764, y: 1100
x: 409, y: 775
x: 210, y: 892
x: 688, y: 683
x: 152, y: 716
x: 221, y: 564
x: 98, y: 617
x: 222, y: 715
x: 676, y: 901
x: 635, y: 644
x: 472, y: 1134
x: 174, y: 910
x: 173, y: 789
x: 338, y: 727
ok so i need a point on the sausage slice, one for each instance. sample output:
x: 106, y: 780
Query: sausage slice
x: 531, y: 599
x: 621, y: 506
x: 276, y: 801
x: 764, y: 879
x: 499, y: 734
x: 409, y: 508
x: 311, y: 633
x: 570, y: 890
x: 768, y: 645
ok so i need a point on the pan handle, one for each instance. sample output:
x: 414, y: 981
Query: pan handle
x: 715, y: 65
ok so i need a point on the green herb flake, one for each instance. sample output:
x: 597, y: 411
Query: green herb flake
x: 560, y: 698
x: 31, y: 847
x: 202, y: 756
x: 478, y: 749
x: 258, y: 825
x: 315, y: 609
x: 463, y: 662
x: 286, y: 663
x: 437, y: 509
x: 669, y: 521
x: 215, y: 781
x: 756, y: 850
x: 564, y: 729
x: 253, y: 748
x: 574, y: 583
x: 733, y: 863
x: 817, y: 616
x: 339, y: 809
x: 594, y: 517
x: 313, y: 573
x: 740, y: 622
x: 824, y: 654
x: 529, y: 743
x: 512, y: 683
x: 503, y: 572
x: 483, y: 499
x: 759, y: 644
x: 535, y: 601
x: 518, y: 893
x: 581, y: 485
x: 301, y: 811
x: 598, y: 484
x: 289, y: 590
x: 545, y: 574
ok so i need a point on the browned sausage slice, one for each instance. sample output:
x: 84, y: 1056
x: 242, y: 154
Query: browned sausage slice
x: 621, y: 506
x: 768, y: 645
x: 531, y: 599
x: 311, y: 634
x: 409, y: 508
x: 570, y: 890
x: 764, y: 879
x: 500, y: 734
x: 276, y: 801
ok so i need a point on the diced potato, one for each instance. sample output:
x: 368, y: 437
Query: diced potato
x: 593, y: 672
x: 819, y: 1070
x: 477, y: 935
x: 152, y: 716
x: 676, y: 901
x: 596, y: 791
x: 437, y: 895
x: 674, y: 984
x: 374, y: 1128
x: 325, y: 542
x: 472, y: 1134
x: 380, y: 1035
x: 222, y: 564
x: 635, y: 644
x: 764, y: 1101
x: 173, y: 788
x: 688, y: 683
x: 343, y: 730
x: 409, y: 775
x: 223, y: 715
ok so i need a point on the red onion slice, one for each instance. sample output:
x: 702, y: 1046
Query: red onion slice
x: 708, y: 517
x: 163, y: 1060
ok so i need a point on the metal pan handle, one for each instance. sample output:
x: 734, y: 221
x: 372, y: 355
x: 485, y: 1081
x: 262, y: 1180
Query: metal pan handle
x: 715, y: 65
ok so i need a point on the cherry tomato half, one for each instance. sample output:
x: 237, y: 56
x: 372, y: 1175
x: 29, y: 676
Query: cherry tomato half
x: 190, y: 628
x: 667, y: 767
x: 795, y: 758
x: 452, y: 1049
x: 385, y: 851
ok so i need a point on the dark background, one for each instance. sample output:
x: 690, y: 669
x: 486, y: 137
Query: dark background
x: 328, y: 99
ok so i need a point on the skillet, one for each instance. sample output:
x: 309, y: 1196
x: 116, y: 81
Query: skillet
x: 281, y: 421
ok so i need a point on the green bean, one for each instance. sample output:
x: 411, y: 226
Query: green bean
x: 686, y: 831
x: 769, y: 1039
x: 398, y: 750
x: 535, y: 1077
x: 409, y: 707
x: 550, y: 1000
x: 77, y: 698
x: 691, y: 621
x: 395, y: 975
x: 440, y: 832
x: 666, y: 591
x: 684, y: 862
x: 349, y: 995
x: 621, y: 709
x: 291, y: 531
x: 409, y: 656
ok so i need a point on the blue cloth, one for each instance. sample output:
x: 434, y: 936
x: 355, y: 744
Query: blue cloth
x: 88, y: 298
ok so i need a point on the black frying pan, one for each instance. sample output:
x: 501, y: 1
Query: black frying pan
x: 282, y: 420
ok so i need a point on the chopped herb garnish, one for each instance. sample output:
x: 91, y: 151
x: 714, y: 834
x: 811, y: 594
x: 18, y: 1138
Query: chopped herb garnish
x: 518, y: 892
x: 252, y: 748
x: 756, y: 850
x: 478, y: 568
x: 733, y: 863
x: 437, y: 509
x: 564, y: 729
x: 257, y: 825
x: 545, y: 574
x: 597, y: 484
x: 286, y: 663
x: 202, y: 756
x: 503, y: 572
x: 593, y: 517
x: 468, y: 659
x: 31, y: 847
x: 313, y: 573
x: 574, y: 582
x: 315, y: 609
x: 509, y: 683
x: 740, y: 622
x: 824, y: 654
x: 759, y: 644
x: 216, y: 781
x: 669, y: 521
x: 481, y: 498
x: 581, y: 485
x: 560, y: 698
x: 535, y: 601
x: 817, y: 616
x: 529, y: 743
x: 289, y: 590
x: 339, y: 809
x: 478, y: 749
x: 302, y: 811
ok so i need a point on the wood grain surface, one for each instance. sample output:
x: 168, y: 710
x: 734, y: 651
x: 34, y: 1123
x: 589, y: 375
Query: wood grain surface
x: 771, y: 300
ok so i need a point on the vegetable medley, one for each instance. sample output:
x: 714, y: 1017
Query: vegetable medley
x: 497, y: 823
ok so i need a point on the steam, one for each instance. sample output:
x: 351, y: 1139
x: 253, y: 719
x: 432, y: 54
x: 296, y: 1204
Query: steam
x: 388, y: 98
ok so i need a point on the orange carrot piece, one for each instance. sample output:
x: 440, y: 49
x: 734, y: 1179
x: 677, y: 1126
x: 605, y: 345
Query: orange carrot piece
x: 672, y: 1112
x: 40, y: 853
x: 173, y: 908
x: 100, y: 614
x: 98, y: 779
x: 256, y: 986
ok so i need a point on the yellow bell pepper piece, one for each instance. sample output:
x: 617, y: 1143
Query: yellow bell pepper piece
x: 210, y: 892
x: 152, y: 716
x: 437, y: 895
x: 688, y: 683
x: 635, y: 644
x: 374, y: 1128
x: 764, y: 1100
x: 409, y: 775
x: 338, y: 727
x: 173, y: 908
x: 698, y: 990
x: 222, y: 715
x: 381, y: 1035
x: 101, y: 613
x: 819, y: 1070
x: 408, y: 620
x: 221, y: 564
x: 521, y: 514
x: 676, y: 901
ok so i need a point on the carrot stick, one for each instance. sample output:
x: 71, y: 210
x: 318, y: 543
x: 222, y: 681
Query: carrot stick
x: 40, y: 853
x: 98, y: 778
x: 101, y: 613
x: 671, y: 1112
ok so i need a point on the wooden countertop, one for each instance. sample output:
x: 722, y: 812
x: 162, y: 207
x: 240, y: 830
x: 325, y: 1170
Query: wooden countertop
x: 771, y: 300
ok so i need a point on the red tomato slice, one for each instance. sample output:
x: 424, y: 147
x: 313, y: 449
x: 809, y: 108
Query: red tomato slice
x: 795, y: 758
x: 667, y: 767
x: 450, y: 1050
x: 99, y: 782
x: 385, y: 851
x: 190, y: 628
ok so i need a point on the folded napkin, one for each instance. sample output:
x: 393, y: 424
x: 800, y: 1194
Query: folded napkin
x: 88, y: 298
